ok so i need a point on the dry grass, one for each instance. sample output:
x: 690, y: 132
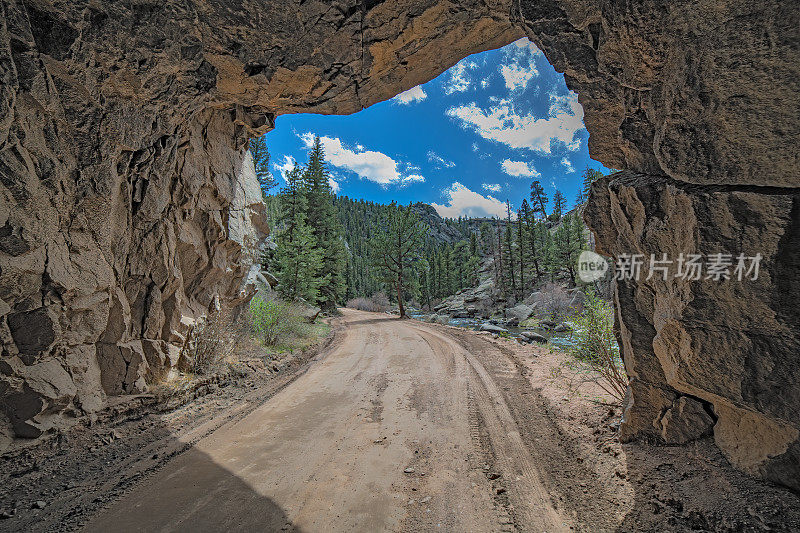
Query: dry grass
x: 213, y: 341
x: 377, y: 303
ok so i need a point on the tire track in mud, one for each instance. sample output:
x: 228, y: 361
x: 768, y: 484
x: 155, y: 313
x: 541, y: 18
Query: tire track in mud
x: 566, y: 472
x: 522, y: 500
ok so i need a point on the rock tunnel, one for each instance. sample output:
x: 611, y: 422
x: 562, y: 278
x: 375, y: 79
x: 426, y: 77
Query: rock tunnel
x: 127, y: 197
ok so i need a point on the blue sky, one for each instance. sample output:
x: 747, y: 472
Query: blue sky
x: 465, y: 142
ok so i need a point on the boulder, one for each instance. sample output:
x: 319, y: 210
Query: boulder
x: 532, y: 336
x: 576, y: 303
x: 733, y: 344
x: 491, y: 328
x: 520, y: 312
x: 562, y: 328
x: 440, y: 319
x: 547, y: 324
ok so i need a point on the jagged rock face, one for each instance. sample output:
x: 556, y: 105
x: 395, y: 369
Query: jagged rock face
x: 122, y: 127
x: 730, y: 344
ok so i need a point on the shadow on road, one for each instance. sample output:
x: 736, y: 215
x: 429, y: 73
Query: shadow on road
x: 106, y: 486
x: 203, y: 496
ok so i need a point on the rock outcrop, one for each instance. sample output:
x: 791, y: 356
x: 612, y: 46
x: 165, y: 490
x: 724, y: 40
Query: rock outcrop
x: 733, y: 344
x: 123, y: 124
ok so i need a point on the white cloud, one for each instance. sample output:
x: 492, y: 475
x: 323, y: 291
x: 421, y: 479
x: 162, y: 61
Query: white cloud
x: 519, y: 169
x: 367, y: 164
x: 283, y: 167
x: 517, y: 76
x: 567, y: 165
x: 519, y: 64
x: 335, y: 187
x: 526, y: 44
x: 492, y: 187
x: 500, y: 123
x: 459, y: 79
x: 475, y: 147
x: 414, y: 94
x: 463, y: 202
x: 438, y: 161
x: 413, y: 178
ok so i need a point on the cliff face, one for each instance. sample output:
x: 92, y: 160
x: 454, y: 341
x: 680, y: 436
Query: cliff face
x: 124, y: 185
x: 728, y: 347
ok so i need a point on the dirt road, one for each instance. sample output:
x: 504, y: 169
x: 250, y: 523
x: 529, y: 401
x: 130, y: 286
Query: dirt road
x: 398, y: 427
x: 388, y: 425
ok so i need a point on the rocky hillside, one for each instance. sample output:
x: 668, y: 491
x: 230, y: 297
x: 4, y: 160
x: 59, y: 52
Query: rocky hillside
x: 441, y: 230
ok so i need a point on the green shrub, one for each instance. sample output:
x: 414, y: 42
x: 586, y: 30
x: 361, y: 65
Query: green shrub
x: 595, y: 345
x: 272, y: 319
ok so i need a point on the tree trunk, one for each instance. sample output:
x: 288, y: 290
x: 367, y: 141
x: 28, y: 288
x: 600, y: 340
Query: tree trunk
x: 400, y: 298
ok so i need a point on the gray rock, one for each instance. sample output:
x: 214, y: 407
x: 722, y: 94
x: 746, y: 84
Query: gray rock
x: 685, y: 421
x: 440, y: 319
x: 561, y: 328
x: 576, y: 304
x: 491, y: 328
x: 532, y: 336
x: 520, y: 312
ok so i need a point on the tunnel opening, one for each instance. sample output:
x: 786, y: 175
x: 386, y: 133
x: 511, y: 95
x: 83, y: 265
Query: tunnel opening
x: 121, y: 161
x: 492, y: 156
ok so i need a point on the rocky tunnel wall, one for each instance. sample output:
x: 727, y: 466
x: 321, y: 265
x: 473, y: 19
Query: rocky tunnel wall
x: 126, y: 198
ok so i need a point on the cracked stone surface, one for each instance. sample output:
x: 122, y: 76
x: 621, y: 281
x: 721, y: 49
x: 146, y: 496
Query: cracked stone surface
x: 128, y: 204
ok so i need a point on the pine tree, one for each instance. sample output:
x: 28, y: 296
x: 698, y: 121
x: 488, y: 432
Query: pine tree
x: 258, y: 149
x: 327, y: 229
x: 461, y: 257
x: 533, y: 238
x: 448, y: 274
x: 397, y: 252
x: 509, y: 242
x: 425, y: 287
x: 298, y: 259
x: 589, y: 176
x: 568, y: 241
x: 538, y: 199
x: 499, y: 262
x: 521, y: 251
x: 559, y: 205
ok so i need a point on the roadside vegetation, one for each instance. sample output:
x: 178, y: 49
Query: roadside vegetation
x: 377, y: 303
x: 269, y: 328
x: 334, y: 251
x: 595, y: 347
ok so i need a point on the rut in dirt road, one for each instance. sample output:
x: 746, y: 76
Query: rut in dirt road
x: 399, y: 426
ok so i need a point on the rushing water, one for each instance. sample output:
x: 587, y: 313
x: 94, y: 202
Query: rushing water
x: 556, y: 339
